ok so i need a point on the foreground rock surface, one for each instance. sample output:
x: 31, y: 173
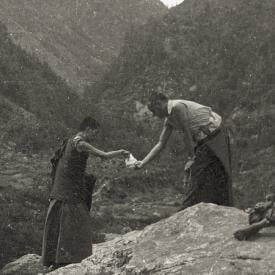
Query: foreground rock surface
x: 195, y: 241
x: 28, y: 264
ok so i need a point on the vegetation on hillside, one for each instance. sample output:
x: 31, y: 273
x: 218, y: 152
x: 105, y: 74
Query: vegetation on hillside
x: 78, y: 39
x: 222, y: 47
x: 217, y: 52
x: 36, y: 105
x: 37, y: 108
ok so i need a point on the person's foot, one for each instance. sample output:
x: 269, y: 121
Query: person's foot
x: 46, y: 270
x: 56, y: 266
x: 240, y: 235
x: 50, y: 268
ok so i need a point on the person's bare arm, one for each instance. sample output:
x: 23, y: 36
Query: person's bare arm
x: 83, y: 146
x: 251, y: 230
x: 182, y: 116
x: 164, y: 137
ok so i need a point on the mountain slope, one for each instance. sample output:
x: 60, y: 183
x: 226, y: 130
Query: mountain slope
x: 36, y: 105
x: 219, y: 53
x: 77, y: 38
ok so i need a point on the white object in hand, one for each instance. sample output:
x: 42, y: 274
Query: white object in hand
x: 130, y: 161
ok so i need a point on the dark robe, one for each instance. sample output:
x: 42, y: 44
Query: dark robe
x: 67, y: 233
x: 210, y: 175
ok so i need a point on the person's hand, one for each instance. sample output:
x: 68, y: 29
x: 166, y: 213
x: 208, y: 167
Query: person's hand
x: 124, y: 153
x: 139, y: 164
x: 188, y: 164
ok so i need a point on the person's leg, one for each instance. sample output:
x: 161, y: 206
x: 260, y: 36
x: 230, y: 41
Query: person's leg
x: 208, y: 180
x: 220, y: 152
x: 251, y: 230
x: 218, y: 181
x: 196, y: 191
x: 74, y: 242
x: 59, y: 265
x: 51, y: 233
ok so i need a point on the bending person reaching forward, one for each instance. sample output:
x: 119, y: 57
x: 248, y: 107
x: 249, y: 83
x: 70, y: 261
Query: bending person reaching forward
x: 208, y: 145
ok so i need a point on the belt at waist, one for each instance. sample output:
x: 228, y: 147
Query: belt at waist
x: 210, y: 135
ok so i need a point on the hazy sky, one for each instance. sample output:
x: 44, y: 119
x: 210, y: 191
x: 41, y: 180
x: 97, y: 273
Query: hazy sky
x: 171, y: 3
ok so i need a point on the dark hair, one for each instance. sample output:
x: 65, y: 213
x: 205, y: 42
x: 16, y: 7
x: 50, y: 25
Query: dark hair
x: 88, y: 122
x: 154, y: 98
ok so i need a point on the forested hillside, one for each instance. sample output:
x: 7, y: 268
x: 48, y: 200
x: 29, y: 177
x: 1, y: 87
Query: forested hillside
x: 220, y: 53
x: 37, y: 109
x: 47, y: 47
x: 77, y: 38
x: 217, y: 52
x: 36, y: 105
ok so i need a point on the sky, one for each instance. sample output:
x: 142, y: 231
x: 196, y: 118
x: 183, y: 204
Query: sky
x: 171, y: 3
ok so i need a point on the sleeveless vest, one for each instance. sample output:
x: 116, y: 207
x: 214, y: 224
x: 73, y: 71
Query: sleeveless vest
x: 69, y: 178
x: 201, y: 119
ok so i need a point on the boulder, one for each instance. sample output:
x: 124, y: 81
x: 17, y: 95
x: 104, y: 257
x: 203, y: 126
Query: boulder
x: 26, y: 265
x: 197, y: 240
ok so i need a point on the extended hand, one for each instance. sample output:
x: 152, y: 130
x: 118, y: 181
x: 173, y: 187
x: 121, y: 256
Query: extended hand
x: 139, y: 164
x: 188, y: 164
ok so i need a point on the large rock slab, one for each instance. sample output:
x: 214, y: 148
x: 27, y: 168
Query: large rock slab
x: 197, y: 241
x: 26, y: 265
x: 134, y: 200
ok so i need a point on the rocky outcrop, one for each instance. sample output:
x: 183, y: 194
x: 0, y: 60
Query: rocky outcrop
x: 194, y: 54
x: 134, y: 200
x: 197, y: 240
x: 28, y: 264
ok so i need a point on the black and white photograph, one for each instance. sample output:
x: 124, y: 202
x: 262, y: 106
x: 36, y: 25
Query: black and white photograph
x: 137, y: 137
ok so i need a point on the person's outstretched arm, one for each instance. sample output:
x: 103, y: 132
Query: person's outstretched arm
x: 164, y: 137
x: 83, y: 146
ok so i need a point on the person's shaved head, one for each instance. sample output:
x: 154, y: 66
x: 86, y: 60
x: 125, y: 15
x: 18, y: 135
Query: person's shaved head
x: 157, y: 104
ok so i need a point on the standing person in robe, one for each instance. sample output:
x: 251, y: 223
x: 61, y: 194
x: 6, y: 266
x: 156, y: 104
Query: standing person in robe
x: 207, y: 142
x: 67, y: 232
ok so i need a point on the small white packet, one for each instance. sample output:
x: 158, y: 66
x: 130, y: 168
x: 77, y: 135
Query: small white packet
x: 130, y: 161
